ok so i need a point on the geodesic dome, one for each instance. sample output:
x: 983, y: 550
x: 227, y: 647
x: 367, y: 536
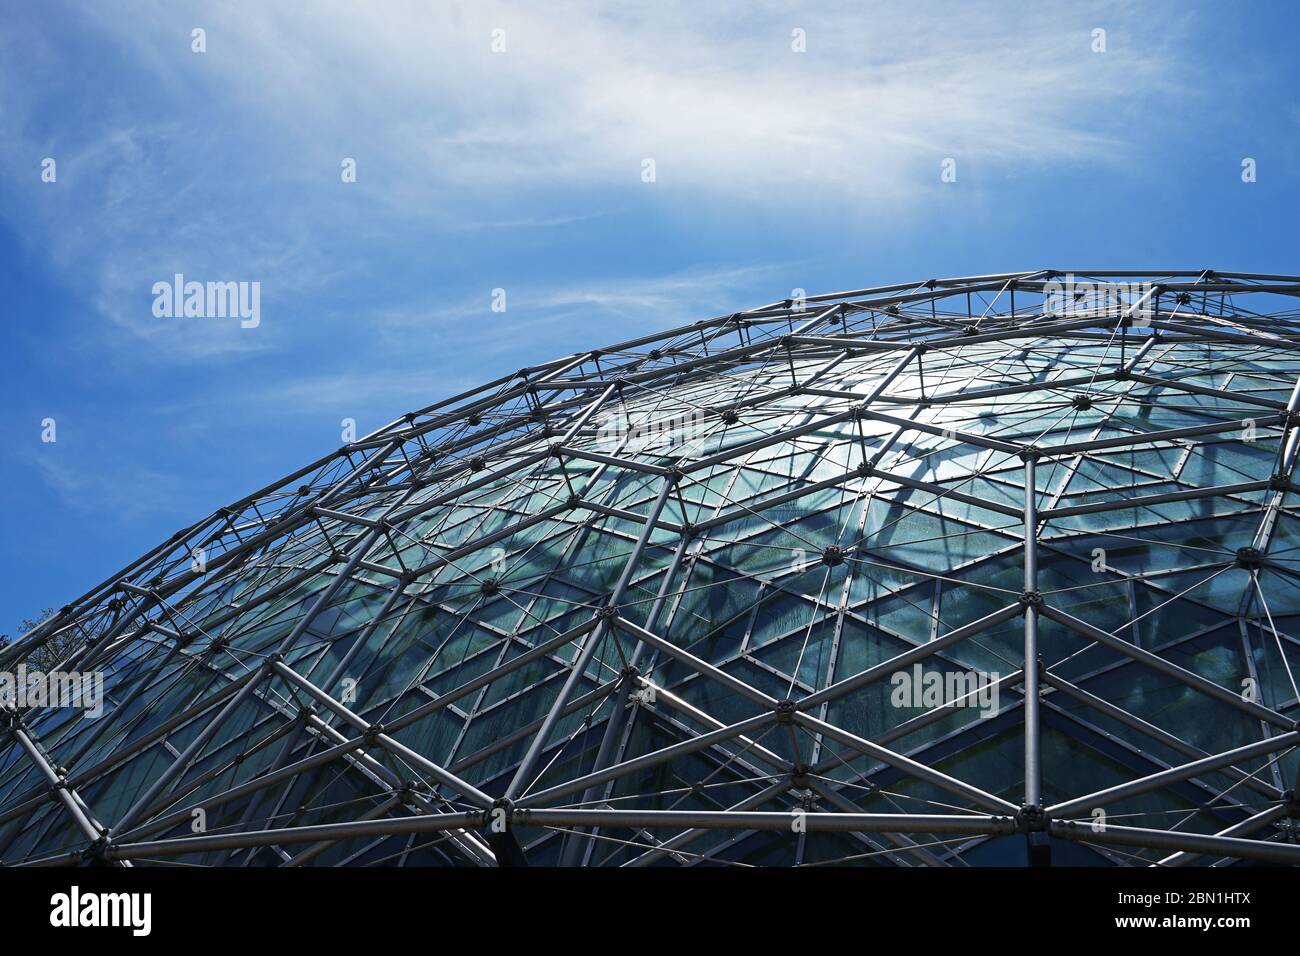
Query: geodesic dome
x: 762, y: 589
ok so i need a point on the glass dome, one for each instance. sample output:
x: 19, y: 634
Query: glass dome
x: 761, y: 589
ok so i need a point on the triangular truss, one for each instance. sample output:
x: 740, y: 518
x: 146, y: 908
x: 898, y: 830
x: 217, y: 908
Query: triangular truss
x: 651, y: 604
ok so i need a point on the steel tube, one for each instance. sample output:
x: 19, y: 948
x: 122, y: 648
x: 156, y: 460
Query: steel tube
x: 1265, y: 852
x: 1174, y: 774
x: 1033, y: 732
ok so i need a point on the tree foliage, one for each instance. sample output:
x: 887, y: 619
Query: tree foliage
x: 51, y: 653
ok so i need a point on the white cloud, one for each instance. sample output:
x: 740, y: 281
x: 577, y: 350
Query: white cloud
x: 714, y: 93
x: 571, y: 314
x: 105, y: 487
x: 225, y: 165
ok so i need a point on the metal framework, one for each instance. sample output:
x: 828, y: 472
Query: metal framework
x: 650, y: 604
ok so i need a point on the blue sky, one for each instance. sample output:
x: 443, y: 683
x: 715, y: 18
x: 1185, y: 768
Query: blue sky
x: 522, y: 170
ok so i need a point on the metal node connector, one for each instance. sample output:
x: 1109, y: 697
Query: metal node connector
x: 1031, y: 599
x: 1252, y: 559
x: 1031, y: 819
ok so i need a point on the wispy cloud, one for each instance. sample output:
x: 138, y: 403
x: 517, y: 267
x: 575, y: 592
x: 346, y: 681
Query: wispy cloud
x: 580, y: 94
x: 228, y: 166
x: 570, y: 316
x: 116, y: 491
